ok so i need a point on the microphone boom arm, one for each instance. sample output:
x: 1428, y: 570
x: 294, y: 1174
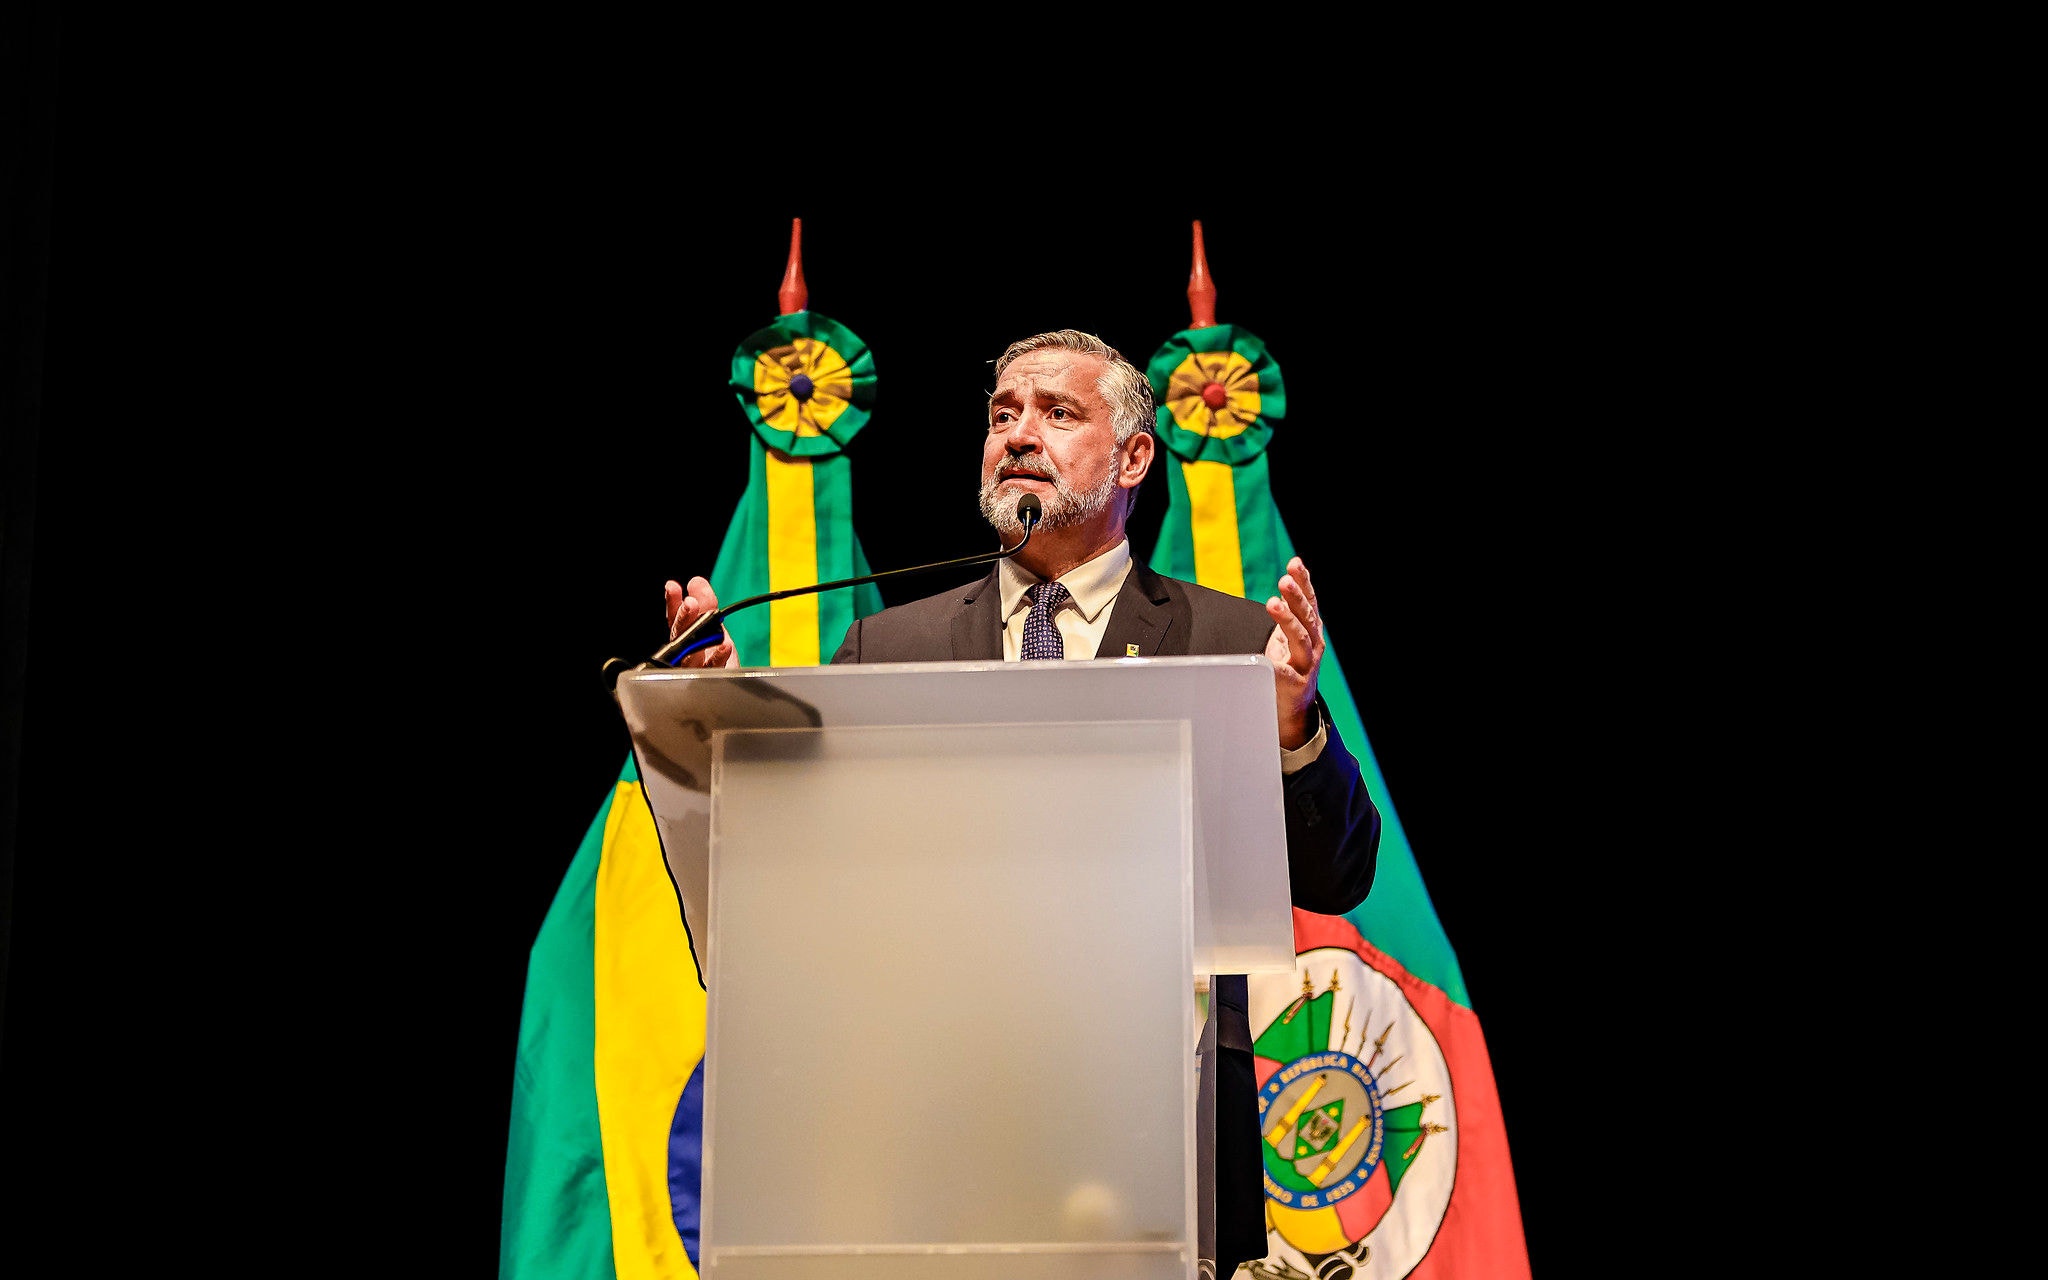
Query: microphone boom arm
x: 1028, y: 512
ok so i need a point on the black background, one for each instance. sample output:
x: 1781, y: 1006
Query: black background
x: 371, y: 426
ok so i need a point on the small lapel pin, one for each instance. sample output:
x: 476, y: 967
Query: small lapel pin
x: 1130, y: 651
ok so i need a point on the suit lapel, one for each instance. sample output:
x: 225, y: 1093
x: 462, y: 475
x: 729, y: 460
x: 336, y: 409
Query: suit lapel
x: 978, y: 623
x: 1146, y: 616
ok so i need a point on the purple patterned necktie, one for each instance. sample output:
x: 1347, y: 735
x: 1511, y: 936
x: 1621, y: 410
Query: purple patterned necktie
x: 1041, y: 637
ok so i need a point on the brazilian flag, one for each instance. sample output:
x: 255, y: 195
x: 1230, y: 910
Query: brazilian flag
x: 602, y: 1171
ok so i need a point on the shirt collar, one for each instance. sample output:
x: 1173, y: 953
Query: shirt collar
x: 1091, y: 585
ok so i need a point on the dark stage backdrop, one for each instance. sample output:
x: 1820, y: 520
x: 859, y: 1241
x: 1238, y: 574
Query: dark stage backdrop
x: 347, y: 493
x: 593, y: 450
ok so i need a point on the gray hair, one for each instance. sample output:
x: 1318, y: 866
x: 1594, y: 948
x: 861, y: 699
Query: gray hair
x: 1122, y: 383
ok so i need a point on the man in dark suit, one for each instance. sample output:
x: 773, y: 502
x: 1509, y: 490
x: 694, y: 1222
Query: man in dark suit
x: 1070, y: 422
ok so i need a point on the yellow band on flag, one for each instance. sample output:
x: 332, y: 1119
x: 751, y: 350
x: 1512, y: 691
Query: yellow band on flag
x: 649, y: 1037
x: 1212, y: 503
x: 792, y: 562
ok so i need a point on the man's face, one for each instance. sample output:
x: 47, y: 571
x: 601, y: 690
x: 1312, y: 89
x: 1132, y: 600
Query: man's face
x: 1049, y: 433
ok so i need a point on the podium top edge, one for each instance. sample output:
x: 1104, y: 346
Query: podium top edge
x: 978, y: 664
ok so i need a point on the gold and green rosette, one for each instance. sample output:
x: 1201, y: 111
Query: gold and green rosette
x: 806, y: 382
x: 1219, y: 394
x: 807, y: 385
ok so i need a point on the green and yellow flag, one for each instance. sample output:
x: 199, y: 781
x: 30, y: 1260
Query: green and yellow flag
x: 806, y: 384
x: 1357, y: 1100
x: 602, y: 1171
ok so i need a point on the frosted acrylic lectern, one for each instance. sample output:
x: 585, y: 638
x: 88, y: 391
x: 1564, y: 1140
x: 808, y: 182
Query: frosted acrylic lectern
x: 947, y: 915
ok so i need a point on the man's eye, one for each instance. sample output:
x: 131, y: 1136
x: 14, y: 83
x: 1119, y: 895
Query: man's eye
x: 1059, y: 413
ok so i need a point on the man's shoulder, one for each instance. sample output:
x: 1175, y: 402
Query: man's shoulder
x: 1218, y: 621
x: 1208, y: 599
x: 938, y: 604
x: 1201, y: 597
x: 919, y: 630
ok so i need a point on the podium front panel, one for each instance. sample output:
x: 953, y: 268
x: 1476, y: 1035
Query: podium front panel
x: 949, y: 1007
x: 1243, y: 915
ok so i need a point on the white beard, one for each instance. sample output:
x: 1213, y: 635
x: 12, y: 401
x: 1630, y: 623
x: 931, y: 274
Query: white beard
x: 1062, y: 507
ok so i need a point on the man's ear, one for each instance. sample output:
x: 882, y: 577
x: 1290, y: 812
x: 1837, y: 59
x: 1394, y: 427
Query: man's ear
x: 1134, y: 459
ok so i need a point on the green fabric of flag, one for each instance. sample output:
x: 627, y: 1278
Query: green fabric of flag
x: 1426, y: 1186
x: 1302, y: 1029
x: 555, y: 1224
x: 742, y: 569
x: 1232, y: 438
x: 605, y: 1150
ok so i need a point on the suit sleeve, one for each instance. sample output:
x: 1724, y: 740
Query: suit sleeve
x: 849, y: 648
x: 1333, y: 829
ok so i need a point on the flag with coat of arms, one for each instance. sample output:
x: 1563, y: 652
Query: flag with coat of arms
x: 1385, y: 1151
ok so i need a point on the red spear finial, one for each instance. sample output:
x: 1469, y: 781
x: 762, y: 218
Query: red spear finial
x: 795, y: 295
x: 1201, y: 289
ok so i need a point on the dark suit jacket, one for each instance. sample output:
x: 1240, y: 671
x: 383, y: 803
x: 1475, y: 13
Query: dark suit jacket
x: 1333, y: 828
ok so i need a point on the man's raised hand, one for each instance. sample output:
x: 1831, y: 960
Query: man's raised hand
x: 685, y: 607
x: 1296, y: 649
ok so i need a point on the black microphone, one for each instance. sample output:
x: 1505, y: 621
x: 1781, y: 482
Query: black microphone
x: 1029, y: 513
